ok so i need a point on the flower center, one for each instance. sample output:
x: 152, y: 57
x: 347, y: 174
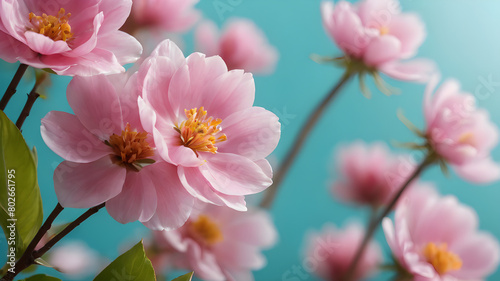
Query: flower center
x: 199, y: 132
x: 442, y: 260
x: 467, y: 138
x: 384, y: 30
x: 55, y: 27
x: 206, y: 230
x: 131, y: 146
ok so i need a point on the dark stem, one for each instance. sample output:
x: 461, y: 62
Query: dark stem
x: 33, y: 95
x: 27, y: 258
x: 304, y: 133
x: 11, y: 90
x: 67, y: 230
x: 429, y: 160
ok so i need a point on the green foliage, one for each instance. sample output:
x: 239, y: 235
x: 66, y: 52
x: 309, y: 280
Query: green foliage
x: 185, y: 277
x: 41, y: 277
x: 20, y: 200
x: 131, y: 266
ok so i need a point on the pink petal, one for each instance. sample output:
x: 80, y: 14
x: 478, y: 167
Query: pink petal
x: 253, y: 133
x: 481, y: 171
x: 175, y: 204
x: 125, y: 47
x: 137, y: 201
x: 382, y: 50
x: 12, y: 50
x: 207, y: 36
x: 44, y: 45
x: 85, y: 185
x: 233, y: 254
x: 418, y: 70
x: 204, y: 263
x: 480, y: 255
x: 15, y: 17
x: 96, y: 104
x: 255, y: 228
x: 232, y: 174
x: 115, y: 14
x: 410, y: 30
x: 170, y: 50
x: 68, y: 138
x: 85, y: 47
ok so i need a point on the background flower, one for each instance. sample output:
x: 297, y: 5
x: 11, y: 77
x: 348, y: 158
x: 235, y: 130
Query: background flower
x: 242, y: 45
x: 73, y: 38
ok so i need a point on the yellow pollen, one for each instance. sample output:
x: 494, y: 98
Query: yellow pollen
x: 466, y: 138
x: 55, y: 27
x: 199, y: 132
x: 442, y: 260
x: 206, y: 230
x: 130, y: 146
x: 384, y: 30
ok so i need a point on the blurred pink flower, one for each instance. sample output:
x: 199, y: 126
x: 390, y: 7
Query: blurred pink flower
x: 331, y: 251
x: 168, y: 15
x: 204, y: 123
x: 370, y: 174
x: 242, y: 45
x: 75, y: 38
x: 74, y: 258
x: 460, y: 132
x: 436, y: 238
x: 109, y: 154
x: 219, y: 243
x: 378, y: 34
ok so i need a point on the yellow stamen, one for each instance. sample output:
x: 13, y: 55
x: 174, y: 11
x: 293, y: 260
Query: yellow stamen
x: 442, y: 260
x: 206, y: 230
x: 384, y: 30
x: 467, y: 138
x: 130, y: 146
x: 54, y: 27
x: 199, y: 132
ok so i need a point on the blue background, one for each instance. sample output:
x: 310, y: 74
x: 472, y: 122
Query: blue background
x: 463, y: 38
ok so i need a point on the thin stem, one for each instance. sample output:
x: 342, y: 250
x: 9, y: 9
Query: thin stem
x: 429, y: 160
x: 33, y: 255
x: 32, y: 97
x: 304, y: 133
x: 27, y: 258
x: 11, y: 90
x: 67, y: 230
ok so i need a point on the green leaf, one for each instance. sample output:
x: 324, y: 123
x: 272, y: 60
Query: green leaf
x: 185, y: 277
x: 131, y: 266
x: 18, y: 175
x: 41, y: 277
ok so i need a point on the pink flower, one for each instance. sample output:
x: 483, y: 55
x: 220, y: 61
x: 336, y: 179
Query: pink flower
x: 378, y: 34
x: 436, y: 238
x: 74, y: 258
x: 169, y: 15
x: 219, y: 243
x: 242, y: 45
x: 75, y: 38
x: 370, y: 174
x: 461, y: 133
x: 330, y: 252
x: 203, y: 122
x: 109, y: 154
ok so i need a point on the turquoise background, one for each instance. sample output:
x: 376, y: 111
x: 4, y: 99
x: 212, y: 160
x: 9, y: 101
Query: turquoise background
x: 463, y: 38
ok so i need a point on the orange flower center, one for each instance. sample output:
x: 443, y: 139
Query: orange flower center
x: 55, y: 27
x: 442, y: 260
x: 384, y: 30
x: 206, y: 230
x: 131, y: 146
x: 199, y: 132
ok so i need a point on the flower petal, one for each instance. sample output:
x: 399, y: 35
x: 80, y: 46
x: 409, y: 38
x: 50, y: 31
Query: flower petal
x: 137, y: 201
x: 68, y: 138
x: 44, y: 45
x: 253, y: 133
x: 96, y: 104
x: 481, y: 171
x: 85, y: 185
x: 174, y: 202
x: 418, y: 70
x: 125, y: 47
x: 382, y: 50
